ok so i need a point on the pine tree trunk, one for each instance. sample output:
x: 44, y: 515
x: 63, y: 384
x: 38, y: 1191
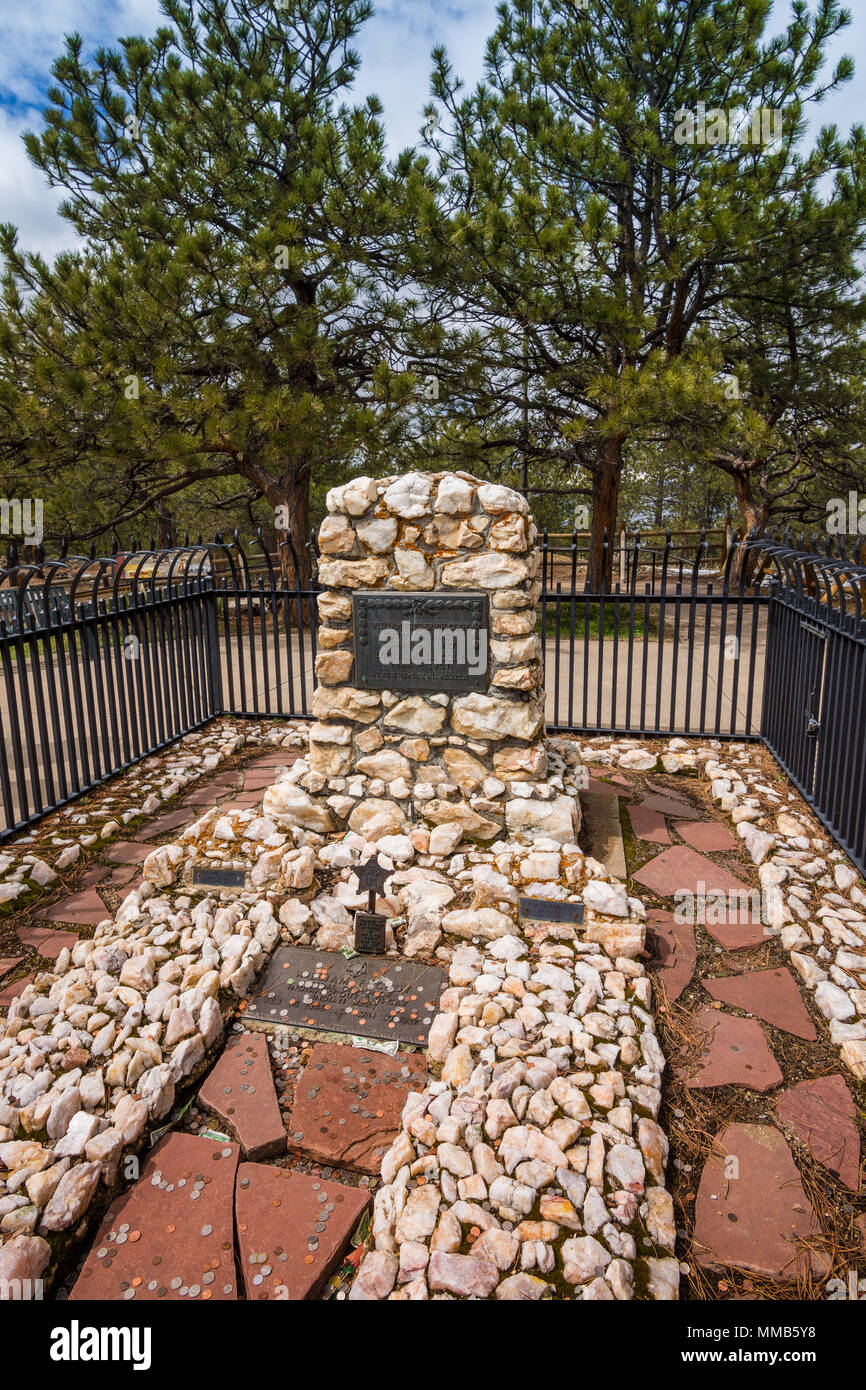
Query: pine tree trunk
x: 293, y: 494
x: 605, y: 498
x: 756, y: 514
x: 289, y: 495
x: 661, y: 491
x: 164, y: 520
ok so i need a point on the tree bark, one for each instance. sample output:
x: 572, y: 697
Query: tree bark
x: 294, y: 495
x: 289, y: 495
x: 659, y: 517
x: 164, y: 520
x: 756, y: 514
x: 606, y: 477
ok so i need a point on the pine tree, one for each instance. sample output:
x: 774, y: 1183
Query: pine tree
x: 627, y: 175
x: 227, y: 312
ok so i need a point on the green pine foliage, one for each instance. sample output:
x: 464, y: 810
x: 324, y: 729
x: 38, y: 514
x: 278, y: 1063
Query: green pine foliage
x: 616, y: 271
x: 227, y: 317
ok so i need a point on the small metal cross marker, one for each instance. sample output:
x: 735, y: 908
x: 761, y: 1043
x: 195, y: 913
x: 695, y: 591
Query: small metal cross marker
x: 370, y: 925
x: 372, y: 876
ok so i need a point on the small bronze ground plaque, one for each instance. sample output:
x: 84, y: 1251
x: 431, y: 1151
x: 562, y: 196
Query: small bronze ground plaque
x: 218, y: 878
x: 421, y: 641
x: 372, y: 996
x: 545, y: 910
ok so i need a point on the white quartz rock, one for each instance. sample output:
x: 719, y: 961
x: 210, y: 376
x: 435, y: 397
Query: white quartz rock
x: 71, y: 1197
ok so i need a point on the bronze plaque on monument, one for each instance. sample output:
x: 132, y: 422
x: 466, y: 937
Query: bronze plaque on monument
x: 421, y: 641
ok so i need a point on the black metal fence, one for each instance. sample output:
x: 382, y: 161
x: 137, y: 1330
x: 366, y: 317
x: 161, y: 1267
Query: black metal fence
x: 106, y: 660
x: 264, y: 625
x: 814, y: 707
x: 671, y: 647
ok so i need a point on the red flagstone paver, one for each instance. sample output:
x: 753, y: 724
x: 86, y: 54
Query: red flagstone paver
x: 665, y: 791
x: 751, y: 1210
x: 822, y: 1114
x: 772, y: 995
x: 204, y: 798
x: 669, y: 806
x: 12, y: 991
x: 128, y: 852
x: 242, y: 802
x: 594, y: 785
x: 682, y: 870
x: 212, y: 792
x: 171, y: 1236
x: 48, y: 943
x: 676, y: 951
x: 260, y: 780
x: 172, y: 820
x: 86, y: 908
x: 8, y: 963
x: 649, y: 825
x: 92, y: 877
x: 348, y: 1103
x: 123, y: 875
x: 738, y: 934
x: 284, y: 757
x: 241, y: 1091
x: 707, y: 836
x: 300, y: 1225
x: 735, y: 1053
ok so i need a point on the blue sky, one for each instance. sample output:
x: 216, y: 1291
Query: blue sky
x: 395, y: 48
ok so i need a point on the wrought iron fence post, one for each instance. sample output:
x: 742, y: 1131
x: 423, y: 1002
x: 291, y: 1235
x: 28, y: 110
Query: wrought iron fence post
x: 215, y: 690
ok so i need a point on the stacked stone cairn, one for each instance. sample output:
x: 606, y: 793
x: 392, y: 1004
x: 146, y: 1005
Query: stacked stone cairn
x: 470, y: 765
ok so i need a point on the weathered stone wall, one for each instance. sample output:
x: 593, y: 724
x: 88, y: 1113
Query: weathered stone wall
x: 430, y: 532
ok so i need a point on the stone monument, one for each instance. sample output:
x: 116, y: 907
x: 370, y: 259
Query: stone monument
x: 430, y: 704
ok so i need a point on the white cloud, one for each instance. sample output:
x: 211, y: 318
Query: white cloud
x: 395, y: 50
x: 25, y: 198
x: 31, y: 38
x: 32, y: 34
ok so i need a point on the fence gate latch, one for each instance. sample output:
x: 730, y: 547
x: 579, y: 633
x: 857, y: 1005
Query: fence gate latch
x: 812, y: 727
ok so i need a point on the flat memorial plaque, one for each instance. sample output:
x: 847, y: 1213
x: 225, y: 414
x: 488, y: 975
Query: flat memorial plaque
x: 371, y: 996
x: 550, y: 910
x: 218, y: 878
x: 421, y: 641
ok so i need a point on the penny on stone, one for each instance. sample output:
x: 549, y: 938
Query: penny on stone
x: 287, y: 1231
x: 150, y: 1220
